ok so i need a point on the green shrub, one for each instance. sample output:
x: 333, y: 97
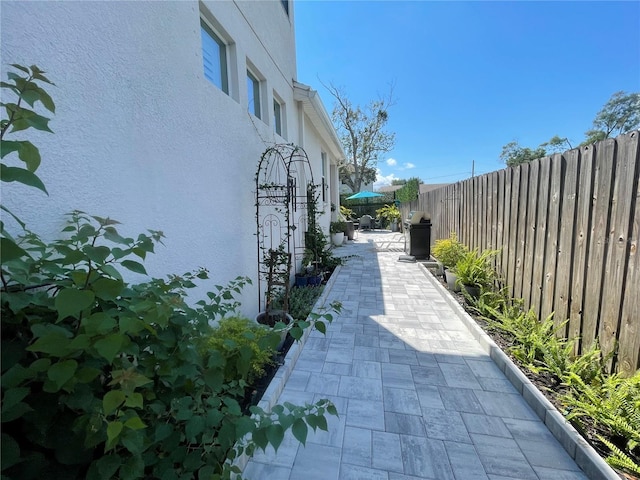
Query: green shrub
x: 389, y: 214
x: 474, y: 269
x: 301, y: 301
x: 449, y: 250
x: 337, y: 227
x: 237, y: 337
x: 104, y: 379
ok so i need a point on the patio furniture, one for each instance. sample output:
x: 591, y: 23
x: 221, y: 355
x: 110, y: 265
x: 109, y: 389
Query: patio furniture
x: 366, y: 222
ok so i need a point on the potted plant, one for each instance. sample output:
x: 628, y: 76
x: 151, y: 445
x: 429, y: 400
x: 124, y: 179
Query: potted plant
x: 348, y: 216
x: 389, y: 216
x: 449, y: 251
x: 337, y: 232
x: 475, y: 272
x: 277, y: 264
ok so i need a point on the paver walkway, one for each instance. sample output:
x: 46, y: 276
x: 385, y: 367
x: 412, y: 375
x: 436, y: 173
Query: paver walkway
x: 418, y: 397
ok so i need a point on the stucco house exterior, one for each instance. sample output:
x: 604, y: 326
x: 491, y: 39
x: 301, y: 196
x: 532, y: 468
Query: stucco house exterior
x: 162, y: 112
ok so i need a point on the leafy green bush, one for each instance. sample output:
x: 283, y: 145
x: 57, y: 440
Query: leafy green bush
x: 103, y: 379
x: 237, y: 337
x: 389, y: 214
x: 449, y: 250
x: 612, y: 406
x: 474, y: 269
x: 302, y: 299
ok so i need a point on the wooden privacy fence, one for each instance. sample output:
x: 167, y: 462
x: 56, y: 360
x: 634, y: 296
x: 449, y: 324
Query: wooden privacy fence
x: 568, y: 227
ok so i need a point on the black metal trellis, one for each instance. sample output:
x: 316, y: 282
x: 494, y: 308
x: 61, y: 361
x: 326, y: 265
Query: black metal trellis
x: 283, y: 174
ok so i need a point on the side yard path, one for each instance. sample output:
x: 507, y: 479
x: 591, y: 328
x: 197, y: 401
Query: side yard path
x: 418, y: 396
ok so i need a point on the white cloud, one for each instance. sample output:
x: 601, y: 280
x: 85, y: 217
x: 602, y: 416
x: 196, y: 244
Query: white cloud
x: 383, y: 180
x: 392, y: 162
x: 409, y: 165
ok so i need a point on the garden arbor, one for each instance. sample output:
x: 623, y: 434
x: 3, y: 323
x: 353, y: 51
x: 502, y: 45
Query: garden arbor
x: 282, y: 181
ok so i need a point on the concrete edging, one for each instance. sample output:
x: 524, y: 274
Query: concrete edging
x: 276, y: 386
x: 591, y: 463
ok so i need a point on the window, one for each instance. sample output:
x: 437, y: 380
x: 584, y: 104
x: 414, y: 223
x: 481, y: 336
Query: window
x: 214, y: 57
x: 277, y: 117
x: 253, y: 89
x: 323, y: 159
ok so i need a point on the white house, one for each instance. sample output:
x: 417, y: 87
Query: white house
x: 163, y: 110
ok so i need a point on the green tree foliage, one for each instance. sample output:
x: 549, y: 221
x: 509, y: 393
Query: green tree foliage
x: 363, y: 136
x: 410, y: 191
x: 514, y: 154
x: 103, y: 379
x: 619, y: 115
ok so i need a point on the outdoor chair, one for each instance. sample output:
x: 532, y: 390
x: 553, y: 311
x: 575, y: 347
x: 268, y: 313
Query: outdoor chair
x: 366, y: 222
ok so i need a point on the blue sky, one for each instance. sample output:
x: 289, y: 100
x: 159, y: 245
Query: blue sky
x: 470, y: 77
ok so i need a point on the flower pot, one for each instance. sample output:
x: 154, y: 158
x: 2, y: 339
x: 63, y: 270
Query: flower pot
x: 350, y: 230
x: 271, y: 318
x: 337, y: 238
x: 301, y: 280
x: 451, y: 280
x: 472, y: 291
x: 314, y: 280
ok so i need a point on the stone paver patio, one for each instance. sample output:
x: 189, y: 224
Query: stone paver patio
x: 418, y: 396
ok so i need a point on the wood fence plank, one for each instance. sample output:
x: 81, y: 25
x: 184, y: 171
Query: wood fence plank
x: 530, y: 232
x: 542, y: 203
x: 581, y: 241
x: 622, y: 198
x: 629, y: 356
x: 522, y: 219
x: 512, y: 198
x: 564, y: 271
x: 500, y: 230
x: 604, y: 153
x: 493, y: 181
x: 551, y: 240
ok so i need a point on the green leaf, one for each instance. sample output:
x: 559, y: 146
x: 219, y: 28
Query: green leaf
x: 134, y: 400
x: 130, y: 325
x: 163, y: 431
x: 61, y: 372
x: 54, y: 343
x: 134, y: 423
x: 195, y: 426
x: 134, y: 266
x: 111, y: 234
x: 111, y: 271
x: 108, y: 466
x: 70, y: 302
x: 10, y: 451
x: 31, y: 119
x: 321, y: 422
x: 133, y: 468
x: 321, y: 327
x: 300, y: 430
x: 260, y: 438
x: 12, y: 397
x: 10, y: 250
x: 27, y: 152
x: 21, y: 175
x: 275, y: 435
x: 114, y: 429
x: 98, y: 323
x: 112, y: 400
x: 109, y: 346
x: 96, y: 254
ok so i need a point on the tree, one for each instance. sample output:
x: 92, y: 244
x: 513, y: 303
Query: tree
x: 410, y: 191
x: 619, y: 115
x: 363, y: 136
x: 513, y: 154
x: 398, y: 181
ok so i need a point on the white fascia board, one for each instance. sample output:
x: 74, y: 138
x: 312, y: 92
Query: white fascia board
x: 314, y: 109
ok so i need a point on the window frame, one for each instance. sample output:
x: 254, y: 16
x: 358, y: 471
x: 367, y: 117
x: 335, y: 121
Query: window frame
x: 256, y: 87
x: 222, y: 58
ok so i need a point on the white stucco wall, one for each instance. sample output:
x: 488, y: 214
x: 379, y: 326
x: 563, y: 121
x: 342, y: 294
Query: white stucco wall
x: 140, y: 135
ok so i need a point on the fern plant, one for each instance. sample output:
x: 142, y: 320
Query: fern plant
x: 613, y: 406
